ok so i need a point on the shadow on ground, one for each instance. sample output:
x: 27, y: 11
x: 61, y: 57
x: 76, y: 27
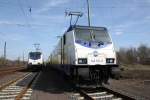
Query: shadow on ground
x: 53, y: 81
x: 50, y: 80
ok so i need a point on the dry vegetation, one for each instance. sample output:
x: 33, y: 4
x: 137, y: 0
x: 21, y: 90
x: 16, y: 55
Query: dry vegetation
x: 10, y: 63
x: 135, y: 62
x: 140, y: 55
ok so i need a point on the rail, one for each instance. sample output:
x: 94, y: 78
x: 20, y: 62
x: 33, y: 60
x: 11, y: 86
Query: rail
x: 101, y: 93
x: 13, y: 91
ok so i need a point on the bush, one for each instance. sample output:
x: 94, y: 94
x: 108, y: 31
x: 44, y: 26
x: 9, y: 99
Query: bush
x: 132, y: 55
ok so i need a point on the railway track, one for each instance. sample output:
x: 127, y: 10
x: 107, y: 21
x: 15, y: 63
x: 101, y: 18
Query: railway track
x: 14, y: 91
x: 100, y: 93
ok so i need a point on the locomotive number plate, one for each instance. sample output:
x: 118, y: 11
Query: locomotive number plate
x: 96, y: 60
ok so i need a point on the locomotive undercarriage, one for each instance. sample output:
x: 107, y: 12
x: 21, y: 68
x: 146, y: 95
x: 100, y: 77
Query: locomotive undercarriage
x: 91, y: 75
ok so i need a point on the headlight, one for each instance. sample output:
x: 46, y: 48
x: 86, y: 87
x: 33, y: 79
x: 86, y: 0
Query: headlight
x: 110, y: 60
x: 82, y: 61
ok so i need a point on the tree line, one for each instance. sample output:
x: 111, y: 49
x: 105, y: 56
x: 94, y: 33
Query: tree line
x: 132, y: 55
x: 7, y: 62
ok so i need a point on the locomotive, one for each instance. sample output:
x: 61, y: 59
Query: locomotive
x: 86, y: 54
x: 35, y: 60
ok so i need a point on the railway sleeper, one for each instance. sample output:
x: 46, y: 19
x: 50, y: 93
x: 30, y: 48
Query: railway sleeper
x: 8, y: 93
x: 76, y: 96
x: 97, y: 94
x: 7, y: 96
x: 104, y: 97
x: 94, y: 96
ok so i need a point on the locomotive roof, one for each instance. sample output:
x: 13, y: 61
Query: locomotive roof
x: 72, y: 27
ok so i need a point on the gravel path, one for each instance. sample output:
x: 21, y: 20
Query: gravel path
x: 132, y: 87
x: 51, y: 86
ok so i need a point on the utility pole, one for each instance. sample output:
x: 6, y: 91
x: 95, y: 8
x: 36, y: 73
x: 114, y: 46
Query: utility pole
x: 18, y: 60
x: 5, y: 52
x: 88, y: 7
x: 23, y: 57
x: 61, y: 48
x: 51, y: 59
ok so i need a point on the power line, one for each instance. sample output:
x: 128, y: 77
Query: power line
x: 25, y: 16
x: 27, y: 2
x: 29, y: 9
x: 7, y: 3
x: 104, y: 6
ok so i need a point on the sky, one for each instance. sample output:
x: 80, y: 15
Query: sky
x: 127, y: 21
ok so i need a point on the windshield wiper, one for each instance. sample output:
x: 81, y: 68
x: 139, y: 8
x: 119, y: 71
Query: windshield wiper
x: 92, y: 35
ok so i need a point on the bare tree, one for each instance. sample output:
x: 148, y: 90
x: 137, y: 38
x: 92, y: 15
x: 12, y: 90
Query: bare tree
x: 143, y: 53
x: 134, y: 55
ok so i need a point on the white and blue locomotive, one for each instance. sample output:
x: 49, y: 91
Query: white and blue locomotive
x: 86, y: 53
x: 35, y: 60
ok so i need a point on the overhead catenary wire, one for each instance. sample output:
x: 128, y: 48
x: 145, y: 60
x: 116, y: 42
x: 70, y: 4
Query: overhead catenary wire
x: 25, y: 16
x: 7, y: 3
x: 101, y: 6
x: 29, y: 6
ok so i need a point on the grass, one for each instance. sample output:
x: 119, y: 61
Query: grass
x: 135, y: 71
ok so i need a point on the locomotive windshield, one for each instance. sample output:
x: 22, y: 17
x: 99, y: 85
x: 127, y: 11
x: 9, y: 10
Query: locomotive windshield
x: 34, y: 55
x: 92, y: 35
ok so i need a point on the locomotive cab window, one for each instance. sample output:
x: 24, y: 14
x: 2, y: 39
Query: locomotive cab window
x: 35, y: 55
x: 92, y: 35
